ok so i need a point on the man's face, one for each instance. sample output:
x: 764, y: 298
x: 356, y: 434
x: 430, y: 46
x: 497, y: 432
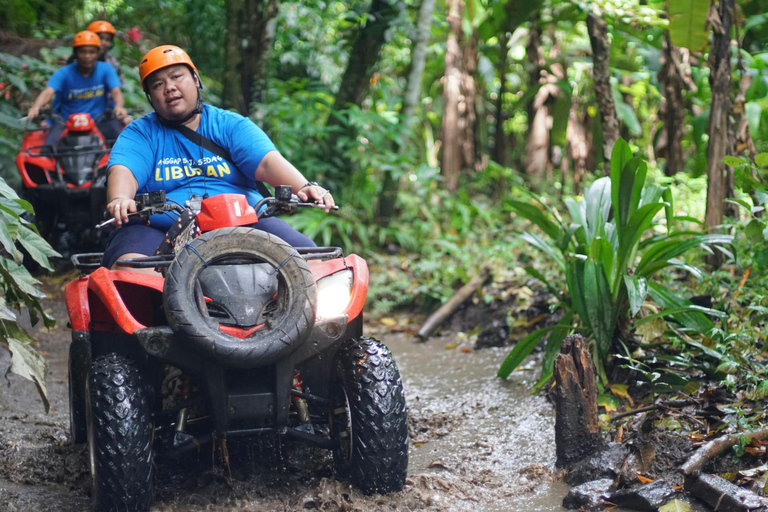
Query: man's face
x: 86, y: 56
x: 173, y: 91
x: 106, y: 40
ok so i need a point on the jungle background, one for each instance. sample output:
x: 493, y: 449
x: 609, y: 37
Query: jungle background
x: 603, y: 162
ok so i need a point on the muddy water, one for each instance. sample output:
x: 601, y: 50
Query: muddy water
x: 478, y: 443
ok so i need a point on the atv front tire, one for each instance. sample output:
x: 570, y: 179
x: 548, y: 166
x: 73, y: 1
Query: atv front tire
x: 368, y: 417
x: 120, y: 431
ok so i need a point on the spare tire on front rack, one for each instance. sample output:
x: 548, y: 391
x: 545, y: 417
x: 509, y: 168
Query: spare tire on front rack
x: 212, y: 328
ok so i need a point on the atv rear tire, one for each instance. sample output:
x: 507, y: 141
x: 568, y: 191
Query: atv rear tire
x: 368, y: 417
x: 280, y: 337
x: 120, y: 432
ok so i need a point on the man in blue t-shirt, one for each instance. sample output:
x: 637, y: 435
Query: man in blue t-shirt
x: 83, y: 86
x: 152, y: 154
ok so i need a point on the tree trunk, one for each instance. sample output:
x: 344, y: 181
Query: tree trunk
x: 577, y: 429
x: 451, y: 148
x: 672, y: 111
x: 720, y: 108
x: 365, y: 53
x: 363, y: 59
x: 539, y: 120
x: 499, y: 154
x: 249, y: 42
x: 578, y: 144
x: 601, y: 72
x: 390, y: 184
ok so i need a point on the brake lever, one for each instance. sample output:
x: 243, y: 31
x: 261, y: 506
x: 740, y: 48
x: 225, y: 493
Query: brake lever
x: 147, y: 211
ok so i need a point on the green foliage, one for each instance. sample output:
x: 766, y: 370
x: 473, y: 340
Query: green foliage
x: 610, y: 251
x: 688, y: 23
x: 18, y: 289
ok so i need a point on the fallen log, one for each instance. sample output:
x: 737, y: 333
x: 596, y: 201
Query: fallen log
x: 712, y: 449
x: 577, y: 428
x: 447, y: 309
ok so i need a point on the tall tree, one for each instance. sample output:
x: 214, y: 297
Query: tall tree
x: 365, y: 53
x: 389, y: 186
x: 601, y: 72
x: 450, y: 149
x: 719, y: 111
x: 672, y: 111
x: 458, y: 150
x: 249, y: 42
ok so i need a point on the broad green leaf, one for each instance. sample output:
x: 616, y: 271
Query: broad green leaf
x: 535, y: 215
x: 620, y: 155
x: 661, y: 254
x: 637, y: 289
x: 15, y: 274
x: 7, y: 191
x: 28, y: 363
x: 754, y: 231
x: 574, y: 276
x: 688, y: 23
x: 520, y: 351
x: 37, y: 247
x: 690, y: 317
x: 538, y: 275
x: 599, y: 305
x: 762, y: 159
x: 547, y: 248
x: 728, y: 367
x: 554, y: 342
x: 734, y: 161
x: 754, y: 113
x: 669, y: 208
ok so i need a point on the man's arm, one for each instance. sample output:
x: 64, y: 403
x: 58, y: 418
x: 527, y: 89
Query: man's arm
x: 117, y: 97
x: 121, y: 189
x: 42, y: 99
x: 276, y: 170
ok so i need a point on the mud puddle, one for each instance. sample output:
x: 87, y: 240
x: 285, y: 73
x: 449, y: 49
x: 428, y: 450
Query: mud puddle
x: 477, y: 443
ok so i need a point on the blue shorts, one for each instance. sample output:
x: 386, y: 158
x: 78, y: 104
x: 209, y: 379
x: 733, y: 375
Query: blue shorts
x: 141, y: 239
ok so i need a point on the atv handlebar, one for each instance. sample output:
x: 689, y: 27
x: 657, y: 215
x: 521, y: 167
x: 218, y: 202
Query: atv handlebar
x: 284, y: 202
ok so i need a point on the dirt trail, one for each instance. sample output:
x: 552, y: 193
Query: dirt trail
x: 477, y: 443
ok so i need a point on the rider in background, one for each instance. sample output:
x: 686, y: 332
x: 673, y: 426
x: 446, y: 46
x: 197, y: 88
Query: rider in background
x: 106, y: 33
x: 84, y: 86
x: 153, y: 154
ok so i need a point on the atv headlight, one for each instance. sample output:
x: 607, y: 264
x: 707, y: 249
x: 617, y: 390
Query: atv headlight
x: 333, y: 294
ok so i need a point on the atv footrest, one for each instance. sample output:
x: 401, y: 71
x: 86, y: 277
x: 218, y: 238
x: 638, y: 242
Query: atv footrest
x: 318, y: 253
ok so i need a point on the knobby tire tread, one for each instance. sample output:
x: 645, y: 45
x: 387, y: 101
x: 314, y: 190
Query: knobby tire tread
x: 122, y: 429
x: 379, y: 461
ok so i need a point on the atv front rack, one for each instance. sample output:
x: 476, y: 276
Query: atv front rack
x: 88, y: 262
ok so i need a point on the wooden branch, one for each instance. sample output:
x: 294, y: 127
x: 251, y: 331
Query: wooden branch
x: 667, y: 404
x: 447, y: 309
x: 712, y: 449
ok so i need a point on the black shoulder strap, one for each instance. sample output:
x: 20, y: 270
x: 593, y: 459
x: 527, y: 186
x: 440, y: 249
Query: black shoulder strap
x: 214, y: 148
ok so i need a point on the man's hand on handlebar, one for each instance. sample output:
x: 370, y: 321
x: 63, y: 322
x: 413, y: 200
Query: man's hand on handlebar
x: 118, y: 209
x: 314, y: 192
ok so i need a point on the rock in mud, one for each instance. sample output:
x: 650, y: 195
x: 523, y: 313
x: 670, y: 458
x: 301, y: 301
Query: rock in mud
x: 607, y: 464
x: 589, y: 495
x: 724, y: 496
x: 644, y: 497
x: 495, y: 335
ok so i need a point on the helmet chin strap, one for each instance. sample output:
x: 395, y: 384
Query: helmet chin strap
x: 177, y: 122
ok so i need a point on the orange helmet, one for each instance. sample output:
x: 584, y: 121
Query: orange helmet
x: 86, y: 38
x: 161, y: 57
x: 101, y: 26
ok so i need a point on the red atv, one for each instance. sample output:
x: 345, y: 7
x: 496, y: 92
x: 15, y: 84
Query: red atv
x: 65, y: 183
x: 243, y: 336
